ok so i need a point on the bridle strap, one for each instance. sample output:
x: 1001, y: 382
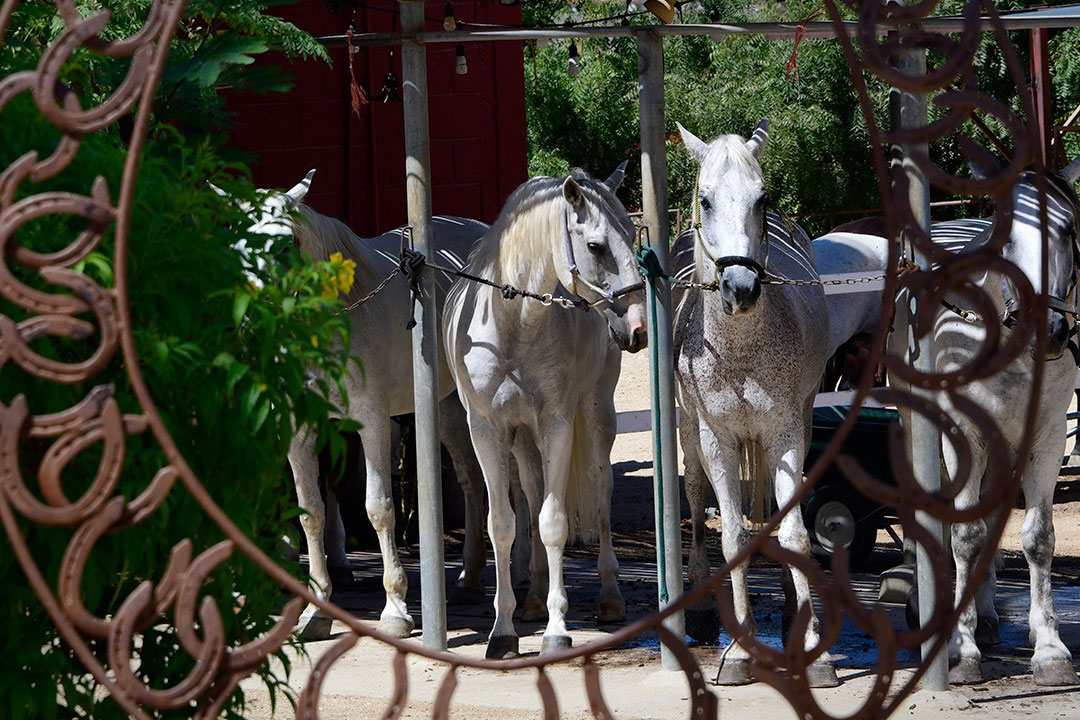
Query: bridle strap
x: 726, y: 261
x: 608, y: 295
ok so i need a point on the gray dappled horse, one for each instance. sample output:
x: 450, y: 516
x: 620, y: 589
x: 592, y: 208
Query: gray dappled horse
x: 380, y: 388
x: 749, y: 359
x: 1004, y: 398
x: 538, y: 382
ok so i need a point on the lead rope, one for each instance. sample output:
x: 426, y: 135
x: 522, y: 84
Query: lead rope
x: 650, y: 268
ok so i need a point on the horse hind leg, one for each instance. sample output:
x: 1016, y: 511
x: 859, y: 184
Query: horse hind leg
x: 968, y: 540
x: 336, y: 559
x: 379, y: 503
x: 305, y: 467
x: 702, y: 619
x: 784, y: 455
x: 453, y: 426
x: 530, y: 481
x: 1051, y: 663
x: 598, y: 433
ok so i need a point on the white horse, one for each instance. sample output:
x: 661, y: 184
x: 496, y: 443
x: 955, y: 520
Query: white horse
x: 380, y: 388
x: 538, y: 382
x: 1004, y: 397
x: 749, y: 360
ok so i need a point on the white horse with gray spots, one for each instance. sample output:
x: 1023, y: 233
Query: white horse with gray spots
x: 381, y: 387
x: 749, y: 359
x: 1004, y: 397
x: 538, y: 381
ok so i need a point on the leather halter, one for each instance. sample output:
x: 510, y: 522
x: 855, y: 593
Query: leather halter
x: 724, y: 262
x: 608, y: 295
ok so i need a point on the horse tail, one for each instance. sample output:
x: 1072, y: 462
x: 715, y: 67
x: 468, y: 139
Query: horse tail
x: 582, y: 496
x: 757, y: 485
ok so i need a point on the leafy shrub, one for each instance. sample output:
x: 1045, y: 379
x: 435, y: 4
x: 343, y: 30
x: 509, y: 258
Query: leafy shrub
x: 227, y: 365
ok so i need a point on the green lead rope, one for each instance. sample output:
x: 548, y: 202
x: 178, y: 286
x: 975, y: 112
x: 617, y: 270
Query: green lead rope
x: 650, y: 268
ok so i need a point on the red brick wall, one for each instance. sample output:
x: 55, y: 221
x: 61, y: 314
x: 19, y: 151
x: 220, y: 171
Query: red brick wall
x: 477, y: 121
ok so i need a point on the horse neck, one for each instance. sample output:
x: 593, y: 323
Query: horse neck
x: 320, y: 236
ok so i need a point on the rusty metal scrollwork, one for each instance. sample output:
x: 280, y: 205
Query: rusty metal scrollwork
x: 97, y: 420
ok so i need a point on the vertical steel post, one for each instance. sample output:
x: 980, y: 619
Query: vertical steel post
x: 425, y: 333
x: 923, y: 436
x: 650, y: 47
x: 1042, y: 93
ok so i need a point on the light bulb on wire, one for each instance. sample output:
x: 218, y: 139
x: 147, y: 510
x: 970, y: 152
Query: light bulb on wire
x: 449, y: 24
x: 573, y: 65
x: 461, y: 66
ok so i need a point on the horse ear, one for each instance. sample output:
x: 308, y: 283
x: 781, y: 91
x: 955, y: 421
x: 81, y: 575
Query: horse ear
x: 297, y: 192
x: 1072, y: 171
x: 694, y: 146
x: 615, y: 179
x: 572, y: 192
x: 758, y: 138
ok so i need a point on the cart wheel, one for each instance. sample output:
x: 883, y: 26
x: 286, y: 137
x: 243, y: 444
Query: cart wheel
x: 832, y: 515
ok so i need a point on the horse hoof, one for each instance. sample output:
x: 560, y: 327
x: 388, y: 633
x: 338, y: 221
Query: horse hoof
x: 340, y: 576
x: 555, y: 643
x: 502, y: 647
x: 966, y: 672
x: 734, y: 672
x: 612, y: 610
x: 703, y: 626
x: 314, y: 627
x: 396, y: 627
x: 466, y: 595
x: 1054, y: 673
x: 987, y: 632
x: 821, y: 674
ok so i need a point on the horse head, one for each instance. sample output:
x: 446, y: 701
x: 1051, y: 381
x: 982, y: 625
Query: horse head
x: 1024, y: 248
x: 598, y: 250
x: 271, y: 219
x: 729, y: 213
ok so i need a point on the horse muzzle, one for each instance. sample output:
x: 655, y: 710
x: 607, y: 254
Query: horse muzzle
x: 740, y: 288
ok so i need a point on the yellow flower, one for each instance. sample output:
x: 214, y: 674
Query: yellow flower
x: 314, y: 341
x: 342, y: 280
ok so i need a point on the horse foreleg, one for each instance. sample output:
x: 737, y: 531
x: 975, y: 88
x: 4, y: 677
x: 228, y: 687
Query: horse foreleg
x: 557, y: 441
x: 305, y: 468
x: 531, y: 484
x: 721, y: 459
x: 968, y: 540
x: 702, y: 620
x: 491, y: 451
x: 455, y: 436
x: 784, y: 455
x: 1051, y: 663
x: 379, y: 503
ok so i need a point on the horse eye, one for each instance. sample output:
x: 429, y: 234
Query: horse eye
x: 763, y: 200
x: 705, y: 204
x: 595, y: 247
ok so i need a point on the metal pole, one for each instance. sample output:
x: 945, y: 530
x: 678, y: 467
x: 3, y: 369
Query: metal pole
x: 1042, y: 93
x: 923, y: 436
x: 425, y: 333
x: 654, y: 204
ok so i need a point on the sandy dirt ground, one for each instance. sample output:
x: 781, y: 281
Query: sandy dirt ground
x: 360, y: 684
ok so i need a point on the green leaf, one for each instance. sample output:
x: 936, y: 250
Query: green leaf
x: 240, y: 306
x: 260, y: 415
x: 233, y: 374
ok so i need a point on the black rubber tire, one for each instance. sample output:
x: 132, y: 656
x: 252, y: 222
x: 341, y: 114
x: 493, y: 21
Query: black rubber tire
x: 845, y: 505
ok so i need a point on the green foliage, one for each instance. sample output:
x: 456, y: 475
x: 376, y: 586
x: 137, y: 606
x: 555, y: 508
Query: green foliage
x: 819, y: 156
x: 227, y: 366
